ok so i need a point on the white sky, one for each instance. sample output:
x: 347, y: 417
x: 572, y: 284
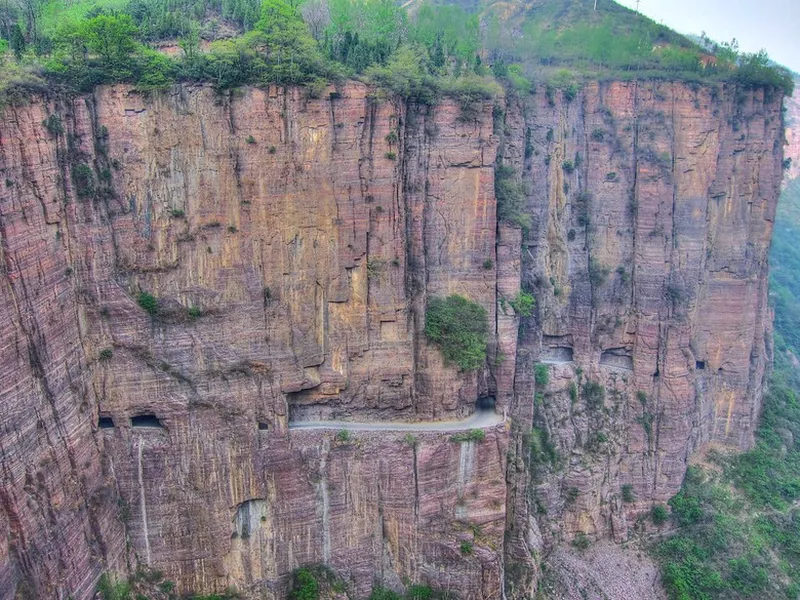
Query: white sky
x: 770, y: 24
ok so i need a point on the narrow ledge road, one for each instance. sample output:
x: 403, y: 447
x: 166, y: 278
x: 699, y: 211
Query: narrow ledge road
x: 479, y: 420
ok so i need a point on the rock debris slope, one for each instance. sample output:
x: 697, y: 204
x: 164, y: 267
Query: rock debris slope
x: 291, y: 244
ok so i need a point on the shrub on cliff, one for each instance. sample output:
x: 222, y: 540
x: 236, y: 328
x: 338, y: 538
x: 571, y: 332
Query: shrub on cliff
x: 541, y: 375
x: 316, y: 581
x: 523, y: 304
x: 113, y: 590
x: 304, y: 585
x: 471, y: 92
x: 471, y: 435
x: 148, y: 302
x: 459, y: 327
x: 594, y: 394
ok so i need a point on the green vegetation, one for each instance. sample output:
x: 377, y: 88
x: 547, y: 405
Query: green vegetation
x: 53, y: 125
x: 459, y: 327
x: 471, y: 435
x: 419, y: 592
x: 413, y: 592
x: 721, y: 548
x: 659, y: 514
x: 598, y: 273
x: 784, y: 267
x: 83, y: 178
x: 426, y: 55
x: 562, y: 42
x: 411, y: 440
x: 149, y: 583
x: 304, y: 585
x: 111, y: 589
x: 581, y: 541
x: 523, y: 304
x: 312, y: 582
x: 571, y: 495
x: 381, y: 593
x: 542, y: 450
x: 541, y: 375
x: 594, y: 394
x: 738, y: 523
x: 106, y: 353
x: 627, y: 493
x: 510, y: 194
x: 421, y: 54
x: 344, y: 435
x: 148, y: 302
x: 466, y: 547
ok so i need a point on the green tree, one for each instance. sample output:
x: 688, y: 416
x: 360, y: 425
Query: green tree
x: 304, y: 585
x: 17, y: 41
x: 113, y: 38
x: 292, y: 55
x: 405, y: 74
x: 459, y: 327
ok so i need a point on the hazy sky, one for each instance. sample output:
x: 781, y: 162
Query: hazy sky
x: 770, y: 24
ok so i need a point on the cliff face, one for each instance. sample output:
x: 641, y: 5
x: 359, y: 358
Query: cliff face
x: 292, y: 244
x: 652, y: 210
x: 792, y: 149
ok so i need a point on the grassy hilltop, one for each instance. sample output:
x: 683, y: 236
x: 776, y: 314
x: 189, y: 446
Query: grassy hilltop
x: 419, y: 50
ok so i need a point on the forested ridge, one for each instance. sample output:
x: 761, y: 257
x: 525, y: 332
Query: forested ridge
x: 420, y: 51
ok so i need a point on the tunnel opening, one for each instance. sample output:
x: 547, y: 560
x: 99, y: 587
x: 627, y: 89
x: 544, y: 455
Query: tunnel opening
x: 146, y: 421
x: 249, y: 518
x: 105, y: 423
x: 556, y: 355
x: 262, y: 426
x: 486, y: 403
x: 617, y: 358
x: 700, y: 365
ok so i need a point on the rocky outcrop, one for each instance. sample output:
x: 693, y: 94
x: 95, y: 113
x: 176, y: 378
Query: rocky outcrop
x: 792, y: 121
x: 290, y: 244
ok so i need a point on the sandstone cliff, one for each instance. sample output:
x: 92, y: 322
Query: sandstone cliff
x: 292, y: 244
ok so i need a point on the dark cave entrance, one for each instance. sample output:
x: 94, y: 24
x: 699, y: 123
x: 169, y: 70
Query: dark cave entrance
x: 105, y: 423
x: 486, y: 403
x: 146, y: 421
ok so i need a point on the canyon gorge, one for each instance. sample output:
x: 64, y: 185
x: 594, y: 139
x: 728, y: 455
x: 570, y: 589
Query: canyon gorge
x: 289, y: 243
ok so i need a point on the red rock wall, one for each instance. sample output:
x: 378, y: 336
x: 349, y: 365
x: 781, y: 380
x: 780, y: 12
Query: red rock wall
x: 307, y: 234
x: 653, y: 246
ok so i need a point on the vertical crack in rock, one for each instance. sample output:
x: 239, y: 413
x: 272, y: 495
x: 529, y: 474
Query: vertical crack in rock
x: 466, y: 461
x: 142, y: 502
x: 325, y: 504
